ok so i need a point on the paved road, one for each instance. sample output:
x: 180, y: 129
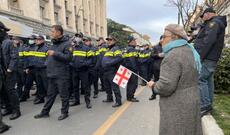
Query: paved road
x: 131, y: 119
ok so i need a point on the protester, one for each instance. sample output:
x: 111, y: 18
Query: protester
x: 177, y: 85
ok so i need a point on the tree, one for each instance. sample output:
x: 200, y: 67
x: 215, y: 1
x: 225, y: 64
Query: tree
x: 118, y: 31
x: 186, y: 10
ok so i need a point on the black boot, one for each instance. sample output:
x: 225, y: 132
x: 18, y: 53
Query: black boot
x: 4, y: 128
x: 15, y: 115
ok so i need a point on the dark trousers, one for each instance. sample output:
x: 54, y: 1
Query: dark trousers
x: 132, y: 86
x: 11, y: 80
x: 156, y: 73
x: 150, y: 70
x: 111, y: 86
x: 83, y: 77
x: 1, y: 89
x: 144, y: 72
x: 42, y: 83
x: 55, y: 86
x: 93, y: 80
x: 20, y: 81
x: 101, y: 77
x: 30, y: 78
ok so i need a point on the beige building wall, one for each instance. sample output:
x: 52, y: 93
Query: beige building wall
x: 87, y: 16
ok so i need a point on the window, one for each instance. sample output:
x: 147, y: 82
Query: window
x: 66, y: 4
x: 42, y: 12
x: 56, y: 16
x: 67, y: 21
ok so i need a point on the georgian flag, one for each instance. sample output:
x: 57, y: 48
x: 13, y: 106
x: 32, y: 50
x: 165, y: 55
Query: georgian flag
x: 122, y: 76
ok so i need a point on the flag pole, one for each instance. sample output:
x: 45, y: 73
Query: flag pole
x: 139, y: 77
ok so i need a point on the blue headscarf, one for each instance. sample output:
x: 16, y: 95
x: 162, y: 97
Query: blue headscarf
x: 181, y: 42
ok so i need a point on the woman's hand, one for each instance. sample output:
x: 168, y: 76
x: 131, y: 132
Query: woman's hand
x: 151, y: 84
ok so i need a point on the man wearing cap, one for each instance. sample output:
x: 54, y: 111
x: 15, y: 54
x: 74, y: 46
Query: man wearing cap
x: 110, y: 63
x: 130, y: 61
x: 209, y: 43
x: 102, y: 47
x: 93, y: 71
x: 82, y: 59
x: 29, y: 66
x: 143, y: 60
x: 40, y: 56
x: 3, y: 30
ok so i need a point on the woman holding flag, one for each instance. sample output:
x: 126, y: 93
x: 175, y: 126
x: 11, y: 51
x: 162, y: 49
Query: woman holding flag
x: 178, y: 85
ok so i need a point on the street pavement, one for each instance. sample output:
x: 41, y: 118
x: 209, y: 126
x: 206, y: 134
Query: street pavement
x: 130, y: 119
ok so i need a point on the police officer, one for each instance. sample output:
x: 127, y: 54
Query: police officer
x: 29, y: 67
x: 82, y: 59
x: 11, y: 60
x: 143, y: 60
x: 93, y: 73
x: 157, y: 56
x: 209, y: 44
x: 102, y: 47
x: 59, y: 56
x: 3, y: 30
x: 110, y: 63
x: 130, y: 61
x: 40, y: 69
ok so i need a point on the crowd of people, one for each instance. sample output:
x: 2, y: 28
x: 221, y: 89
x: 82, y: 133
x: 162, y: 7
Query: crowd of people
x: 182, y: 74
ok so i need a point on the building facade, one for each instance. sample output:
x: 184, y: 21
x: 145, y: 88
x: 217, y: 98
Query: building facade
x: 86, y: 16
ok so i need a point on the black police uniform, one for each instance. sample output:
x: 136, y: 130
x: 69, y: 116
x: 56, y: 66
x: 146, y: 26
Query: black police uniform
x: 29, y: 64
x: 82, y: 59
x: 210, y: 39
x: 130, y: 61
x: 143, y: 60
x: 110, y: 63
x: 93, y: 71
x: 11, y: 58
x: 58, y: 74
x: 3, y: 126
x: 40, y: 56
x: 101, y: 50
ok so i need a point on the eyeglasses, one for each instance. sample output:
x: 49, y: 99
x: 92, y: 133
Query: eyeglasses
x: 109, y: 39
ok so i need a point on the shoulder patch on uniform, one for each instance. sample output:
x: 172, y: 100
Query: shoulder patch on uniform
x: 71, y: 49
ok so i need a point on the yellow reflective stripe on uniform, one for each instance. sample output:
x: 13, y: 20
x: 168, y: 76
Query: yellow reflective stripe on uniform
x: 117, y: 52
x: 102, y: 50
x: 131, y: 54
x: 109, y: 54
x: 144, y: 55
x: 21, y: 54
x: 39, y: 54
x: 90, y: 53
x: 97, y: 53
x: 79, y: 53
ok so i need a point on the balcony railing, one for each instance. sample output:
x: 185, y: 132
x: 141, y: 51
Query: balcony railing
x: 16, y: 10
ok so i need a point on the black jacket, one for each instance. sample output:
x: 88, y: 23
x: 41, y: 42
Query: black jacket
x: 58, y: 64
x: 210, y: 40
x: 82, y: 57
x: 157, y: 60
x: 101, y: 50
x: 112, y: 59
x: 40, y: 56
x: 130, y: 58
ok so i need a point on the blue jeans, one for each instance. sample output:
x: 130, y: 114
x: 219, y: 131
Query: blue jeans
x: 206, y: 83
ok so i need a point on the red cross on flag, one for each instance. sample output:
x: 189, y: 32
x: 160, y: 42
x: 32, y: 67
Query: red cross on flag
x: 122, y: 76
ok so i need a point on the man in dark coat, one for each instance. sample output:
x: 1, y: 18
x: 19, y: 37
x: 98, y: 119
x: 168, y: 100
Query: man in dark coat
x: 59, y: 56
x: 209, y: 44
x: 3, y: 30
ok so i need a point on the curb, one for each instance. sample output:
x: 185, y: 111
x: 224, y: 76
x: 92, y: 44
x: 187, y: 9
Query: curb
x: 210, y: 127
